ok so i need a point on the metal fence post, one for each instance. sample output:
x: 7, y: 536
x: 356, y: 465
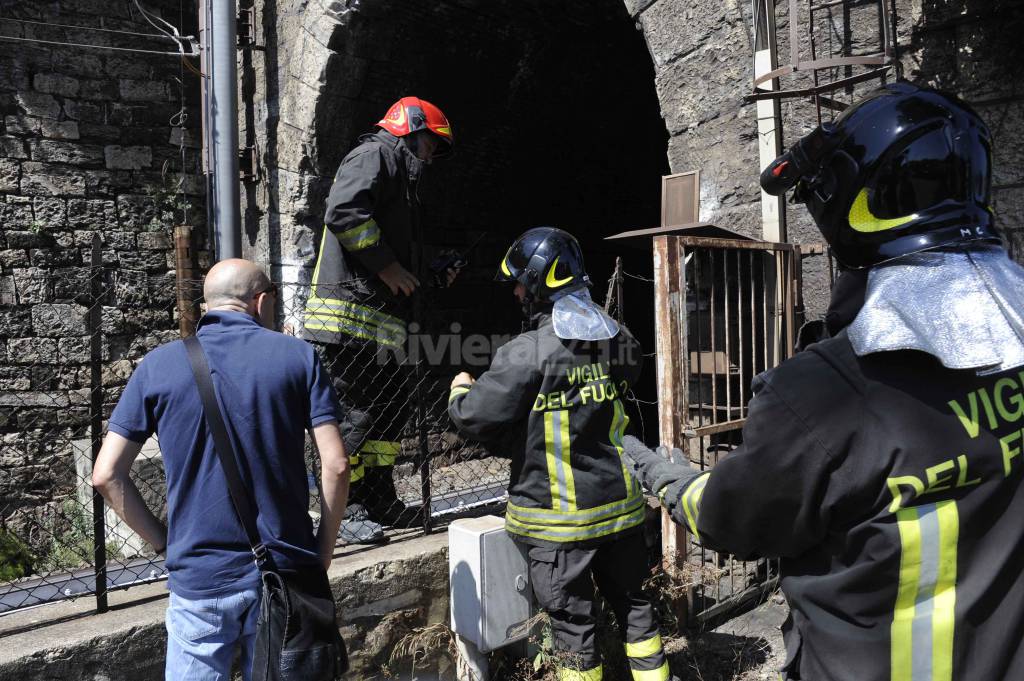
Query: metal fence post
x: 421, y: 419
x: 95, y: 322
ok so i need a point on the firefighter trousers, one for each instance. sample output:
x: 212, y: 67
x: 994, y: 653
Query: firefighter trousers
x: 376, y: 393
x: 563, y: 583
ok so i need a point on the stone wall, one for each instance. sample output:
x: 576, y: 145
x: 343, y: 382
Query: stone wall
x: 702, y: 51
x: 92, y: 141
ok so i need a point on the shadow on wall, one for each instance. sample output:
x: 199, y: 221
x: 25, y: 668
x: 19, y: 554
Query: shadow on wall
x: 972, y: 48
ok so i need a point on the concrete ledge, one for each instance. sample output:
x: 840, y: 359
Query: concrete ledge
x: 383, y: 593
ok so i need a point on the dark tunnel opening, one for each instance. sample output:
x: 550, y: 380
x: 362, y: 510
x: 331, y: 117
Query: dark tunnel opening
x: 557, y: 122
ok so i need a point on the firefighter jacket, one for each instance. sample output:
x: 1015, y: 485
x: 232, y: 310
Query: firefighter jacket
x: 890, y: 486
x: 370, y: 222
x: 557, y: 408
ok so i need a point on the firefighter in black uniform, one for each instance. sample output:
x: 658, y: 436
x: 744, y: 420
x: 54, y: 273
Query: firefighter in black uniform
x: 360, y: 302
x: 884, y: 464
x: 552, y: 400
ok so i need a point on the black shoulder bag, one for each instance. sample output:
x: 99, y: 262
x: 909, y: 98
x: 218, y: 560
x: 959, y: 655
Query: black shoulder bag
x: 297, y: 637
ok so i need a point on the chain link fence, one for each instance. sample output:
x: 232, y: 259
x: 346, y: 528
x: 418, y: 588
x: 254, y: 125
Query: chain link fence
x: 73, y: 336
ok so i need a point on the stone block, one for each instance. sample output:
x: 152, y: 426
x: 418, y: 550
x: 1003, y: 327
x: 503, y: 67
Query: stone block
x: 98, y: 90
x: 15, y: 322
x: 73, y: 283
x: 37, y: 104
x: 101, y: 133
x: 113, y: 321
x: 33, y: 286
x: 10, y: 175
x: 77, y: 62
x: 51, y: 180
x: 13, y: 147
x: 51, y: 212
x: 184, y: 137
x: 136, y: 211
x: 85, y: 112
x: 55, y: 399
x: 92, y: 214
x: 15, y: 78
x: 32, y: 350
x: 59, y: 130
x: 55, y: 319
x: 132, y: 90
x: 16, y: 215
x: 56, y: 84
x: 13, y: 257
x: 55, y: 257
x: 152, y: 241
x: 8, y: 292
x: 52, y: 151
x: 127, y: 158
x: 143, y: 260
x: 22, y: 125
x: 106, y: 182
x: 128, y: 67
x: 83, y: 237
x: 120, y: 240
x: 28, y: 239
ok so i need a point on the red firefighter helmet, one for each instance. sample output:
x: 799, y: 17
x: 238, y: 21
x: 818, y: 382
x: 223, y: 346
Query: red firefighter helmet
x: 410, y: 114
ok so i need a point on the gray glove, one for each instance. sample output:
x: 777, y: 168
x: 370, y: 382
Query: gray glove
x: 654, y: 468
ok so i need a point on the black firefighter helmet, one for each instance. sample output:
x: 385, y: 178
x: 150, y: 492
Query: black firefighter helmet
x: 545, y: 260
x: 904, y: 170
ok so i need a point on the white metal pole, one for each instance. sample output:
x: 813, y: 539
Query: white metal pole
x: 769, y: 118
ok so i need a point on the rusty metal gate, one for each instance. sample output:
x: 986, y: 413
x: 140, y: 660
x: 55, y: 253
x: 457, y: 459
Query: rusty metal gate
x: 725, y: 311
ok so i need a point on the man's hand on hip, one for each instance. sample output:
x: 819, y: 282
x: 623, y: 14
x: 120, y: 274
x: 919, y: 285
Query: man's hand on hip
x: 398, y: 279
x: 463, y: 378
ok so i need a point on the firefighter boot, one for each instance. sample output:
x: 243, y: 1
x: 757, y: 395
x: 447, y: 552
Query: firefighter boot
x: 382, y: 502
x: 357, y: 528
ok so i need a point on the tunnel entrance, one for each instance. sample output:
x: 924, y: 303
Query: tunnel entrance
x: 557, y: 122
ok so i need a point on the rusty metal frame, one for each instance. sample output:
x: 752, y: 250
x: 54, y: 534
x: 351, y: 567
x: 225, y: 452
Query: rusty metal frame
x: 881, y: 61
x: 744, y: 297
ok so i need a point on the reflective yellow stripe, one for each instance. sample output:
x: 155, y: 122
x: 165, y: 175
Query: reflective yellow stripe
x: 943, y: 617
x: 651, y: 646
x: 380, y: 452
x: 571, y: 534
x: 317, y: 323
x: 577, y: 518
x: 335, y: 308
x: 549, y: 455
x: 456, y: 391
x: 691, y: 502
x: 659, y: 674
x: 618, y: 430
x: 567, y: 674
x: 861, y: 218
x: 320, y: 257
x: 570, y: 483
x: 903, y: 616
x: 360, y: 237
x: 923, y: 617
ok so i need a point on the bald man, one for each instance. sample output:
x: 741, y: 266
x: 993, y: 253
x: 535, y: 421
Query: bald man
x: 271, y: 389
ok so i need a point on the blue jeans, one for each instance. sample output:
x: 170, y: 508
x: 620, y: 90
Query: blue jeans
x: 202, y: 636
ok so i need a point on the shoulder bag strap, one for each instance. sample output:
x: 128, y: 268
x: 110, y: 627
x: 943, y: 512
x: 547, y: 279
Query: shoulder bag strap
x: 225, y: 451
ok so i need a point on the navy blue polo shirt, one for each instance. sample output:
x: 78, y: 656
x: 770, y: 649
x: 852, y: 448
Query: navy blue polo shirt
x: 271, y: 387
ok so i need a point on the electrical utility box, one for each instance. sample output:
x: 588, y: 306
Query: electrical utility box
x: 491, y: 597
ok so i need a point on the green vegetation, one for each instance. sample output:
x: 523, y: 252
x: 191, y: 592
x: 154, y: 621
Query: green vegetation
x: 15, y: 558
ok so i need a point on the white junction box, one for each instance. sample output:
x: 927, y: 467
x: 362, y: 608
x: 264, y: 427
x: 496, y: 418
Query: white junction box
x: 491, y: 597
